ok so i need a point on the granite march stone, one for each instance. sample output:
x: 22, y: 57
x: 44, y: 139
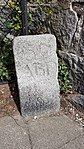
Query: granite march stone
x: 37, y: 73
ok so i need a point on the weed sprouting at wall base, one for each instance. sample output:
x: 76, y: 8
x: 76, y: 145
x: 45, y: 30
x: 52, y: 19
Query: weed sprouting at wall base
x: 63, y: 76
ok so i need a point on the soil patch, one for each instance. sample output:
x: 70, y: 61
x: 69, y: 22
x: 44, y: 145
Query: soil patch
x: 9, y: 101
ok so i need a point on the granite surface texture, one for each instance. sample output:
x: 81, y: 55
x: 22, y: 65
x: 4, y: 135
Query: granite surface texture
x: 37, y: 73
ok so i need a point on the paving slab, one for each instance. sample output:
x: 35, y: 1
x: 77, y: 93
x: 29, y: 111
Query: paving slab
x: 48, y: 132
x: 12, y: 134
x: 55, y: 132
x: 77, y: 143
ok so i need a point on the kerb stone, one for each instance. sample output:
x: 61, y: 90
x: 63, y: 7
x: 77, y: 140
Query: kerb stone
x: 37, y: 73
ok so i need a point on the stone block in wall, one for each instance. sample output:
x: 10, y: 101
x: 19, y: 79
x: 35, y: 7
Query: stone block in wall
x: 68, y: 27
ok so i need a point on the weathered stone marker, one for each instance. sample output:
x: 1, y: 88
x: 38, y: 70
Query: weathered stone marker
x: 37, y: 71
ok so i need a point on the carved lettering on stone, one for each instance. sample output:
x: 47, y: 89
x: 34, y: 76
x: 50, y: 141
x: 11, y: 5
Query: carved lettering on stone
x: 37, y: 73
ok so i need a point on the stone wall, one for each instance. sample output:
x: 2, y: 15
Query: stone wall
x: 64, y: 19
x: 68, y: 25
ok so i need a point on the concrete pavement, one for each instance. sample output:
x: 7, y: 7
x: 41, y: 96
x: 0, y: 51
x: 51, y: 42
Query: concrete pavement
x: 48, y: 132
